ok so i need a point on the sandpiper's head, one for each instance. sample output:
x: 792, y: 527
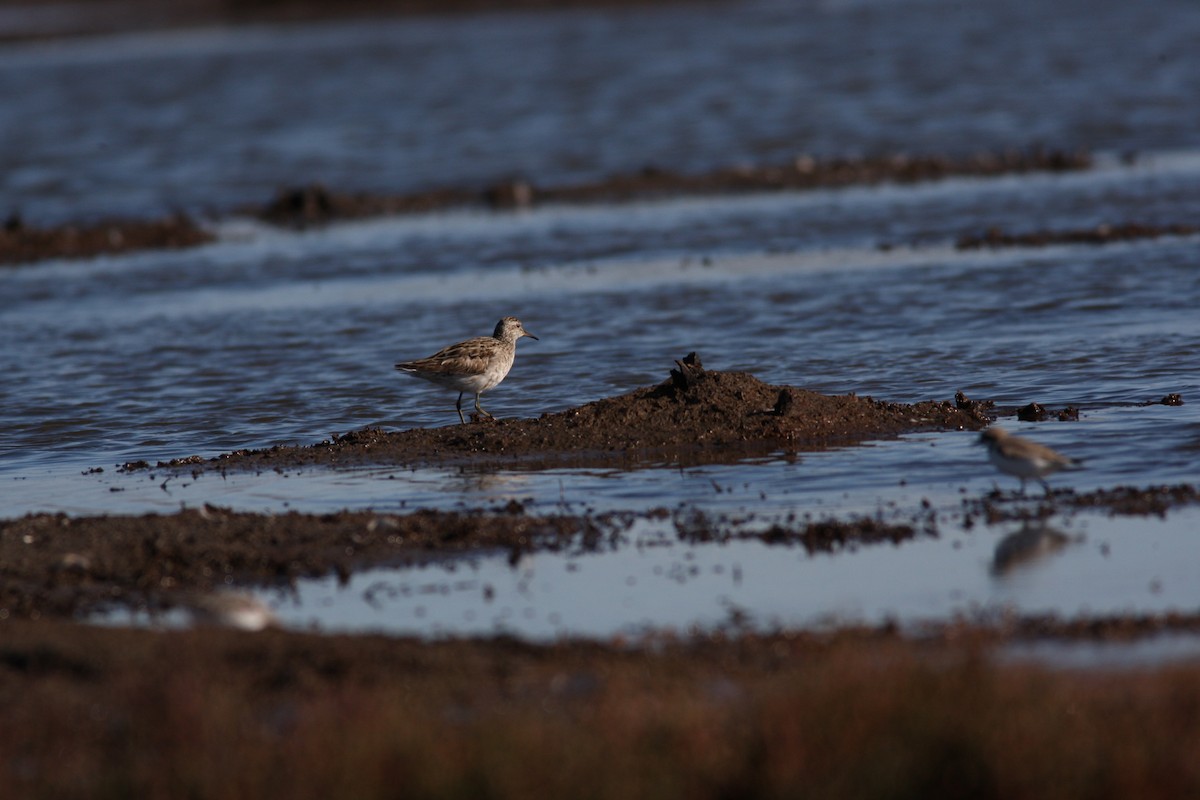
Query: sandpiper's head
x: 510, y: 329
x: 992, y: 436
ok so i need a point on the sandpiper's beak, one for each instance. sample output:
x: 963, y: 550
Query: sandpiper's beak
x: 530, y: 335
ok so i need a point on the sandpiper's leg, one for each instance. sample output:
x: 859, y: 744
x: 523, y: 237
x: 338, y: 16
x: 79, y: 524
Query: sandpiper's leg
x: 1022, y: 487
x: 1045, y: 486
x: 480, y: 410
x: 458, y: 408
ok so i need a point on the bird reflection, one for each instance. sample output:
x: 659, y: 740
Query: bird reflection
x: 231, y: 609
x: 1033, y: 542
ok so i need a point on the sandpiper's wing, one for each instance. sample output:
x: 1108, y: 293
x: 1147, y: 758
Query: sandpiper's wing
x: 465, y: 358
x: 1017, y: 447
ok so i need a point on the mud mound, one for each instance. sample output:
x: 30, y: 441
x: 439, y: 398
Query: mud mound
x: 695, y: 416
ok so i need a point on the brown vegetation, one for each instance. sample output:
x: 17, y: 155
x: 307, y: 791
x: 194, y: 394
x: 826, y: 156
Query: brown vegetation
x: 97, y: 714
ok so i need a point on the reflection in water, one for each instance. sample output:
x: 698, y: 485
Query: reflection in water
x: 1033, y: 542
x: 231, y: 609
x: 483, y: 487
x: 653, y: 581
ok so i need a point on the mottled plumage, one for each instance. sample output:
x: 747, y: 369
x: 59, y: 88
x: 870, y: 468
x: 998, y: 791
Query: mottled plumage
x: 475, y: 365
x: 1023, y: 458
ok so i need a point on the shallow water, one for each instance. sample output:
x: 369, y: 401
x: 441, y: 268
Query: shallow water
x: 272, y: 337
x: 1106, y: 566
x: 212, y: 118
x: 1090, y: 565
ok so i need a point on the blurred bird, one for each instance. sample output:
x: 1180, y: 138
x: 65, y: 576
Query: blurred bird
x: 1022, y: 458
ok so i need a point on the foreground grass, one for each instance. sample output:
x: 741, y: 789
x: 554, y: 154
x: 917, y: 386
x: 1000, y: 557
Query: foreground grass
x: 213, y: 714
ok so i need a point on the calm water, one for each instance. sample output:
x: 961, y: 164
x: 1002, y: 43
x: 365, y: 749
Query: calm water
x: 278, y: 337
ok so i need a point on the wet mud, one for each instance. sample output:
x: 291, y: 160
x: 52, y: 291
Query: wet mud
x: 59, y: 566
x: 21, y: 243
x: 312, y: 205
x: 1101, y: 234
x: 694, y: 416
x: 999, y: 506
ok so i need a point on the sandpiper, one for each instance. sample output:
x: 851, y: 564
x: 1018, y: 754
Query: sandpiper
x: 231, y: 609
x: 475, y: 365
x: 1023, y: 458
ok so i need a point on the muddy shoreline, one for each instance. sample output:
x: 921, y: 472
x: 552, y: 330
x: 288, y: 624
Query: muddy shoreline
x: 57, y: 566
x: 25, y: 242
x: 63, y: 567
x: 54, y: 565
x: 300, y: 207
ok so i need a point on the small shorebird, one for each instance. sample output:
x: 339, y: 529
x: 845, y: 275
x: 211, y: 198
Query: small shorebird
x: 231, y: 609
x: 475, y: 365
x: 1023, y: 458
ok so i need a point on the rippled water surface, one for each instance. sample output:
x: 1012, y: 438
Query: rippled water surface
x: 208, y: 119
x: 272, y: 336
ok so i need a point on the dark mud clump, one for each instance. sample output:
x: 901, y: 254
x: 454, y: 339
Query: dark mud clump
x: 21, y: 243
x: 314, y: 204
x: 695, y: 416
x: 1172, y: 399
x: 1036, y: 412
x: 694, y: 526
x: 1131, y: 500
x: 1101, y: 234
x: 1123, y: 500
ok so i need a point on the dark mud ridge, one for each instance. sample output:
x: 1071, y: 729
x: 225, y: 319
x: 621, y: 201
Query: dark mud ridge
x: 21, y: 243
x: 306, y: 206
x: 1123, y: 500
x: 1100, y: 234
x: 315, y: 204
x: 695, y: 416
